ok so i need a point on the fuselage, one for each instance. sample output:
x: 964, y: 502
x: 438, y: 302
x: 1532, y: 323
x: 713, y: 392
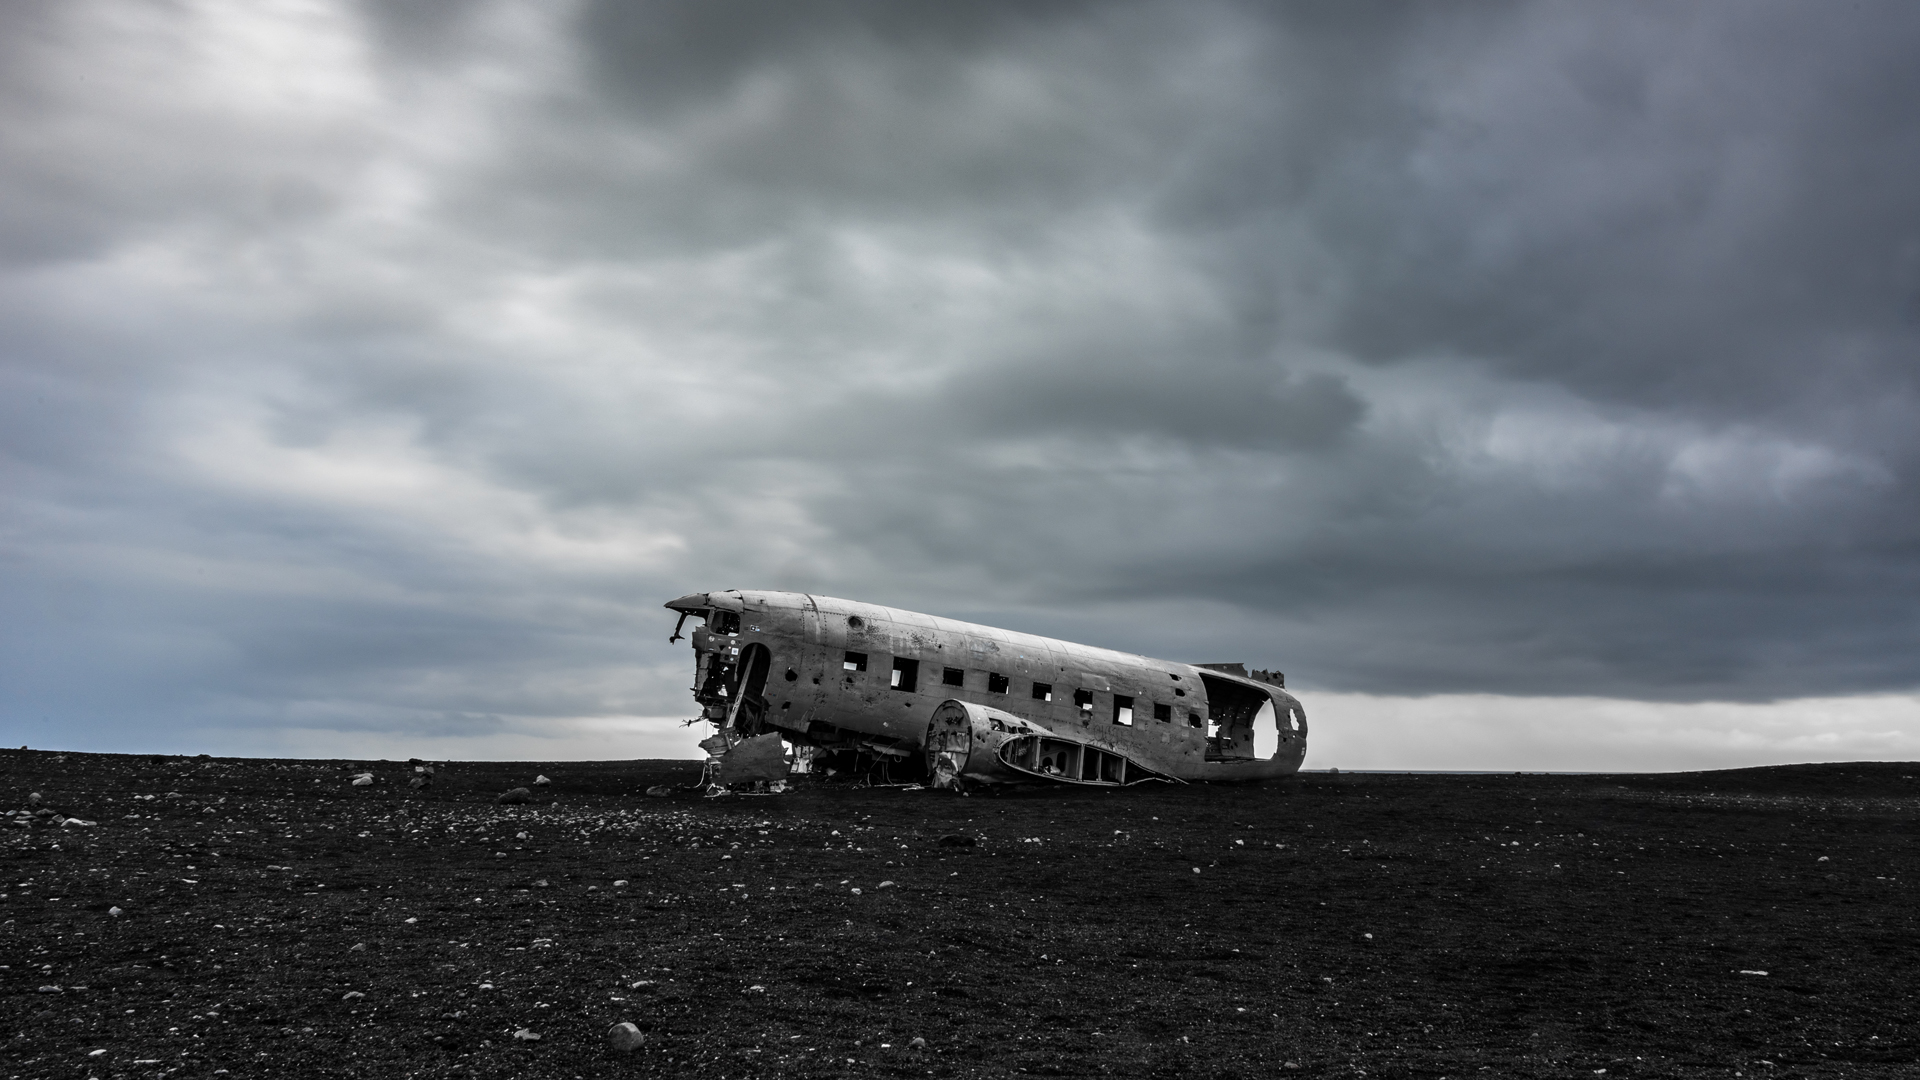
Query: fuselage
x: 841, y: 674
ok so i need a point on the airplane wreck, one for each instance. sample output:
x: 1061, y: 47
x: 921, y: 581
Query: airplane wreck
x: 958, y: 704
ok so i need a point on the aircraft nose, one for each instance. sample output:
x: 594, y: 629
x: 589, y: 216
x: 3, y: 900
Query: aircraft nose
x: 690, y: 602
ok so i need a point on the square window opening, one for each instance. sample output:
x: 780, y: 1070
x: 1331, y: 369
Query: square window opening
x: 997, y: 683
x: 1084, y: 699
x: 855, y: 661
x: 1042, y: 691
x: 906, y: 673
x: 1162, y: 712
x: 953, y: 676
x: 1194, y: 719
x: 1123, y: 710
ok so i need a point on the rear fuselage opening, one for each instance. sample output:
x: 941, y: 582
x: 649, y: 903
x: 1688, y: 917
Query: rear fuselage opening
x: 1233, y: 709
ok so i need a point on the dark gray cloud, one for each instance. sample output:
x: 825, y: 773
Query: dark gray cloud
x: 381, y: 367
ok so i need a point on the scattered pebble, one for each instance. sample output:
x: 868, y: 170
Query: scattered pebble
x: 359, y: 947
x: 353, y: 995
x: 884, y: 885
x: 364, y: 779
x: 625, y: 1037
x: 541, y: 781
x: 525, y: 1035
x: 918, y: 1043
x: 659, y: 791
x: 620, y: 884
x: 115, y: 911
x: 517, y: 795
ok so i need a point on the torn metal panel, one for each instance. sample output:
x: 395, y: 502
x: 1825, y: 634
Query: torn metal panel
x: 762, y: 757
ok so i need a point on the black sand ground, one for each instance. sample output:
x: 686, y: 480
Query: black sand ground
x: 1466, y: 926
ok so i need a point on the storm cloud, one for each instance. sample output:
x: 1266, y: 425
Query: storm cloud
x: 371, y: 372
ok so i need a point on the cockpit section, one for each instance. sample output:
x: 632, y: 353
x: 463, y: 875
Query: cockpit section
x: 729, y: 679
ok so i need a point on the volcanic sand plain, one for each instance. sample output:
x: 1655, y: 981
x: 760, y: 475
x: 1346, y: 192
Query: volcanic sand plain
x: 276, y: 921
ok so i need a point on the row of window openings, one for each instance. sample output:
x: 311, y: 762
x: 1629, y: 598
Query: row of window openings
x: 906, y: 676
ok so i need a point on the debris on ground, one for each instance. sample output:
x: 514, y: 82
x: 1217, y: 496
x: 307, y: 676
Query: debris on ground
x: 514, y: 796
x: 760, y: 758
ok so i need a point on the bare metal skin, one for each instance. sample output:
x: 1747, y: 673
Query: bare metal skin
x: 977, y: 704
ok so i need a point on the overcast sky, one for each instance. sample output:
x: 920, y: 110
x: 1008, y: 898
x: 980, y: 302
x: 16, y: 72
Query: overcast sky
x: 1535, y: 384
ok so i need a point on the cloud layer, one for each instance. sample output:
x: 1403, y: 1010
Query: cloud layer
x: 379, y: 368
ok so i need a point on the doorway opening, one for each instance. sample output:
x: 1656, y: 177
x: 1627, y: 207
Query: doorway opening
x: 745, y: 692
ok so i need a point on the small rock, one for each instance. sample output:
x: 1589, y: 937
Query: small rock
x: 417, y: 783
x: 525, y: 1035
x: 65, y: 822
x: 95, y: 1053
x: 52, y: 990
x: 364, y: 779
x: 659, y: 791
x: 359, y: 947
x: 917, y: 1043
x: 884, y: 885
x: 1291, y: 1065
x: 541, y: 781
x: 621, y: 884
x: 625, y: 1037
x: 856, y: 890
x: 115, y: 911
x: 755, y: 989
x: 353, y: 995
x: 956, y: 840
x: 34, y: 799
x: 517, y: 795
